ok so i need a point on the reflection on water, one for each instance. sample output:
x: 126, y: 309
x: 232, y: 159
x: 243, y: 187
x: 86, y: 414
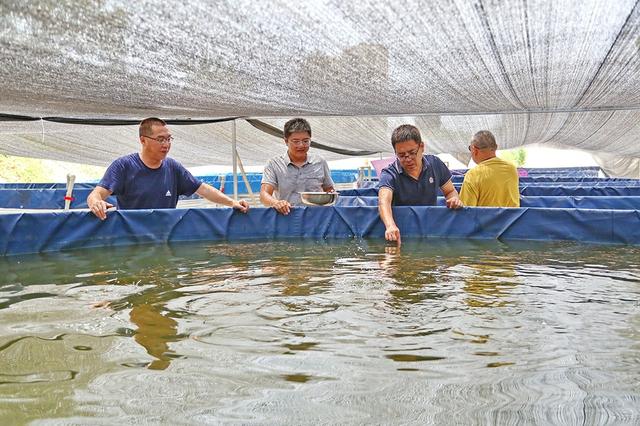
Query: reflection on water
x: 296, y: 332
x: 154, y: 333
x: 490, y: 281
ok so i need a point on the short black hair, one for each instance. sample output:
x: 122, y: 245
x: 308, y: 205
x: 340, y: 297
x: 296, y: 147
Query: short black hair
x: 405, y: 132
x: 147, y: 123
x: 296, y: 125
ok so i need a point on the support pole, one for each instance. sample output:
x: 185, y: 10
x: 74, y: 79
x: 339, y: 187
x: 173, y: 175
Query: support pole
x: 246, y: 181
x: 71, y: 179
x: 234, y: 155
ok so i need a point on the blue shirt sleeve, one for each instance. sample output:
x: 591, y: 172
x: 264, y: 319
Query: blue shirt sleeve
x: 442, y: 171
x: 187, y: 183
x: 387, y: 179
x: 114, y: 178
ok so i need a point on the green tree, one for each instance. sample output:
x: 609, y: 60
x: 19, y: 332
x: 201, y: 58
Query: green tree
x: 517, y: 156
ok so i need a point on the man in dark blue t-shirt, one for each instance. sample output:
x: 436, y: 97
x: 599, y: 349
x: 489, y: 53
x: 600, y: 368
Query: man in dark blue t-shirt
x: 150, y: 180
x: 413, y: 179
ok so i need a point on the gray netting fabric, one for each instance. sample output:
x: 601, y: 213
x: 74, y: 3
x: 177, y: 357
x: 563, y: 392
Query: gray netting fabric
x: 194, y: 145
x: 614, y: 165
x: 553, y: 72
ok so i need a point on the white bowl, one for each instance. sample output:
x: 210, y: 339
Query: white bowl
x: 319, y: 198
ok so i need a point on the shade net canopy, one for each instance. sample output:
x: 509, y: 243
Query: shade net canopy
x: 562, y: 74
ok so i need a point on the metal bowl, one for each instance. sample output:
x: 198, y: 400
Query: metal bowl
x: 319, y: 198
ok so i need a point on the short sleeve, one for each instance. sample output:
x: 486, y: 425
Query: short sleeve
x: 443, y: 171
x: 114, y: 177
x: 327, y: 181
x: 387, y: 180
x: 269, y: 174
x: 469, y: 193
x: 187, y: 183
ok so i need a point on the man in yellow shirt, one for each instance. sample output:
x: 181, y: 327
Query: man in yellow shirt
x: 493, y: 182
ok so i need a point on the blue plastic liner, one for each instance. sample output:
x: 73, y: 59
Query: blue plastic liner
x: 360, y: 192
x: 567, y: 182
x: 45, y: 198
x: 581, y: 191
x: 592, y: 171
x: 254, y: 178
x: 567, y: 191
x: 611, y: 203
x: 595, y: 184
x: 54, y: 199
x: 41, y: 232
x: 569, y: 174
x: 351, y: 201
x: 45, y: 185
x: 590, y: 202
x: 563, y: 180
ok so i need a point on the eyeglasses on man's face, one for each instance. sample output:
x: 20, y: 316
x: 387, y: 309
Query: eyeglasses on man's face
x: 161, y: 139
x: 300, y: 142
x: 408, y: 155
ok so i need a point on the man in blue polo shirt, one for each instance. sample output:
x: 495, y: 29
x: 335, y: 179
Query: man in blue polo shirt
x: 150, y: 180
x: 412, y: 180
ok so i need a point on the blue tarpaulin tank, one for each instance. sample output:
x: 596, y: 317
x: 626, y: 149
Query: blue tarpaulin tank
x: 40, y: 232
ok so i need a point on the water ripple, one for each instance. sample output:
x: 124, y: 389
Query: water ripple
x: 322, y: 332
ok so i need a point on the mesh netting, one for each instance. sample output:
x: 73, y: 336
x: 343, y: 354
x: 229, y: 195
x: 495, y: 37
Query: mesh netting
x: 548, y: 72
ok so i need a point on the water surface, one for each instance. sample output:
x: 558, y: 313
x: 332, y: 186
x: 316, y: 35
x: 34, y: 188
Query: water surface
x: 348, y: 332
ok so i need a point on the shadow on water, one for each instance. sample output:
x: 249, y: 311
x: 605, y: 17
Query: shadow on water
x: 246, y: 317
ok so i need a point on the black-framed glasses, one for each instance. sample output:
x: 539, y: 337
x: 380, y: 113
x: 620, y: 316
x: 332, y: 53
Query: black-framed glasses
x: 304, y: 142
x: 408, y: 155
x: 161, y: 140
